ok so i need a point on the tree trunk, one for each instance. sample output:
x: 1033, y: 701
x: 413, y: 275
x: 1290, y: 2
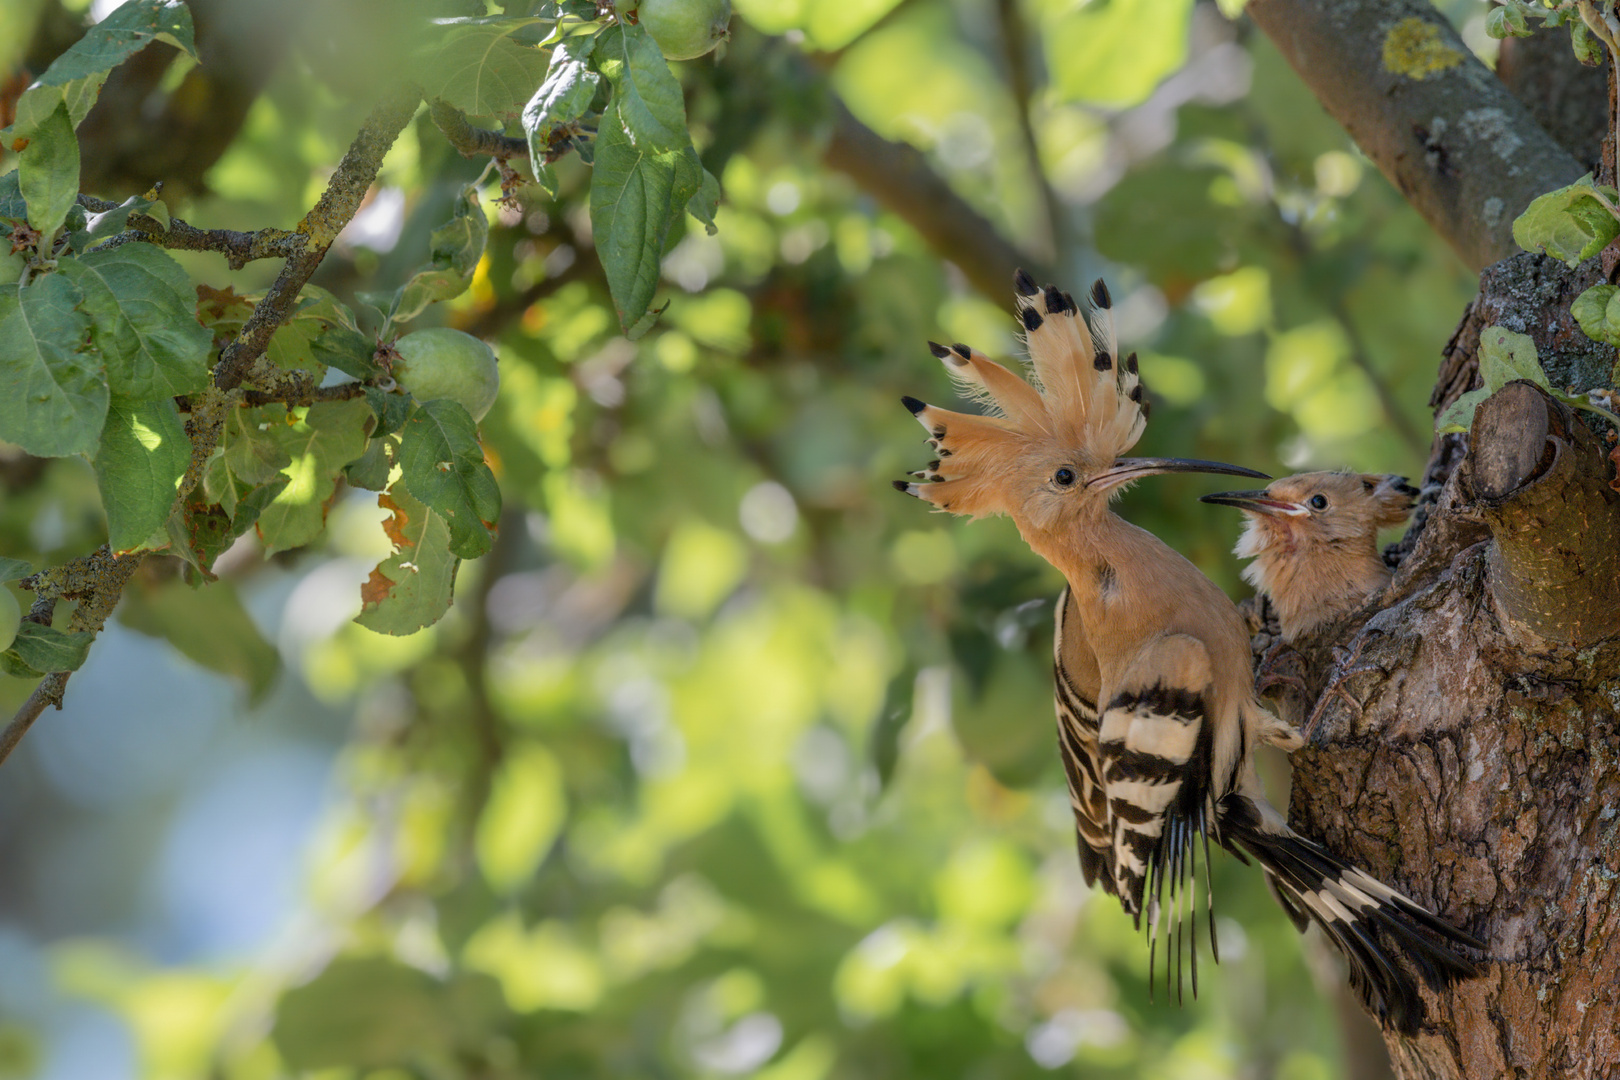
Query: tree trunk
x: 1467, y: 746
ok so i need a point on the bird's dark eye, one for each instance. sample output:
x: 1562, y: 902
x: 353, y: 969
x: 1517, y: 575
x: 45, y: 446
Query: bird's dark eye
x: 1064, y: 477
x: 1318, y: 502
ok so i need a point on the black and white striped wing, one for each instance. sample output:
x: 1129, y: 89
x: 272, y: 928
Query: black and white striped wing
x: 1082, y: 764
x: 1155, y: 740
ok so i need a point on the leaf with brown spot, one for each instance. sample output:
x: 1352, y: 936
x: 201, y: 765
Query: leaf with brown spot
x: 413, y: 587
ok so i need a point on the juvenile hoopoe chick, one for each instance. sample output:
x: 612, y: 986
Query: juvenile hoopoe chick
x: 1156, y: 711
x: 1314, y: 541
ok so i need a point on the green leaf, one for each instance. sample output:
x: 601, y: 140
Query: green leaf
x: 1568, y: 224
x: 341, y: 343
x: 1506, y: 21
x: 646, y: 94
x: 141, y: 303
x: 483, y: 72
x: 705, y: 202
x: 111, y: 222
x: 1598, y: 313
x: 1460, y: 415
x: 1588, y: 49
x: 1505, y: 356
x: 318, y: 444
x: 391, y: 407
x: 47, y: 649
x: 443, y: 465
x: 457, y: 246
x: 127, y: 30
x: 48, y: 172
x: 1114, y: 53
x: 635, y: 197
x: 371, y: 469
x: 55, y: 397
x: 209, y: 626
x: 12, y: 205
x: 413, y: 587
x: 75, y: 78
x: 41, y: 100
x: 144, y: 453
x: 250, y: 454
x: 12, y: 569
x: 371, y: 1013
x: 563, y: 98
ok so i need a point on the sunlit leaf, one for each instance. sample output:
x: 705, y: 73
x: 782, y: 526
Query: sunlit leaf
x: 1569, y: 224
x: 327, y: 437
x: 143, y: 454
x: 1505, y: 356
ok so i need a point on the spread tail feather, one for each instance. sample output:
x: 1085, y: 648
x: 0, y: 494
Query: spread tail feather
x: 1371, y: 923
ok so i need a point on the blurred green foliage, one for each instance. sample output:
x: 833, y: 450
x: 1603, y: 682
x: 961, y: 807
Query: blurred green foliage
x: 728, y: 761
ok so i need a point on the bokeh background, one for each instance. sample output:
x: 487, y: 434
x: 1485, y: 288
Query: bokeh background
x: 728, y: 761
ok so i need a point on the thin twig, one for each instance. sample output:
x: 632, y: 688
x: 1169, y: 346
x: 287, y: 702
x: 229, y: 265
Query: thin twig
x: 320, y: 227
x: 48, y: 692
x: 341, y: 392
x: 239, y: 248
x: 472, y: 141
x: 96, y: 581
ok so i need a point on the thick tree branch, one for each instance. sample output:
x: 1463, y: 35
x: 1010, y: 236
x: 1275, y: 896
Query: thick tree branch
x: 1445, y: 131
x: 1540, y: 479
x: 320, y: 226
x: 900, y: 178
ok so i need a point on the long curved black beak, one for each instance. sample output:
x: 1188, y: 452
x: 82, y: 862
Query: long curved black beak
x: 1255, y: 502
x: 1126, y: 469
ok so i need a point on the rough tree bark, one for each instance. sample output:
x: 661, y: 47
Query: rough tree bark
x: 1466, y: 745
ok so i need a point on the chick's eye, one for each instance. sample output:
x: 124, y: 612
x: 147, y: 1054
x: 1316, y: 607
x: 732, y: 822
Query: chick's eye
x: 1064, y: 477
x: 1318, y: 502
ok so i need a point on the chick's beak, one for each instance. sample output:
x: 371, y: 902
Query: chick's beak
x: 1124, y: 470
x: 1255, y: 502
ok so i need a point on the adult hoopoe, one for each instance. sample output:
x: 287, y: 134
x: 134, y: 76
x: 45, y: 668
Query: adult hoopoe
x: 1165, y: 764
x: 1314, y: 541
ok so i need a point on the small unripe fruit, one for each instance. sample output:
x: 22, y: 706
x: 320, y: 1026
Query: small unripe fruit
x: 686, y: 29
x: 445, y: 363
x: 10, y: 618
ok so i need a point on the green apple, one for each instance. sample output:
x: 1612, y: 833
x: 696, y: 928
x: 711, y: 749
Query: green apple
x: 10, y: 618
x: 686, y: 29
x: 445, y: 363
